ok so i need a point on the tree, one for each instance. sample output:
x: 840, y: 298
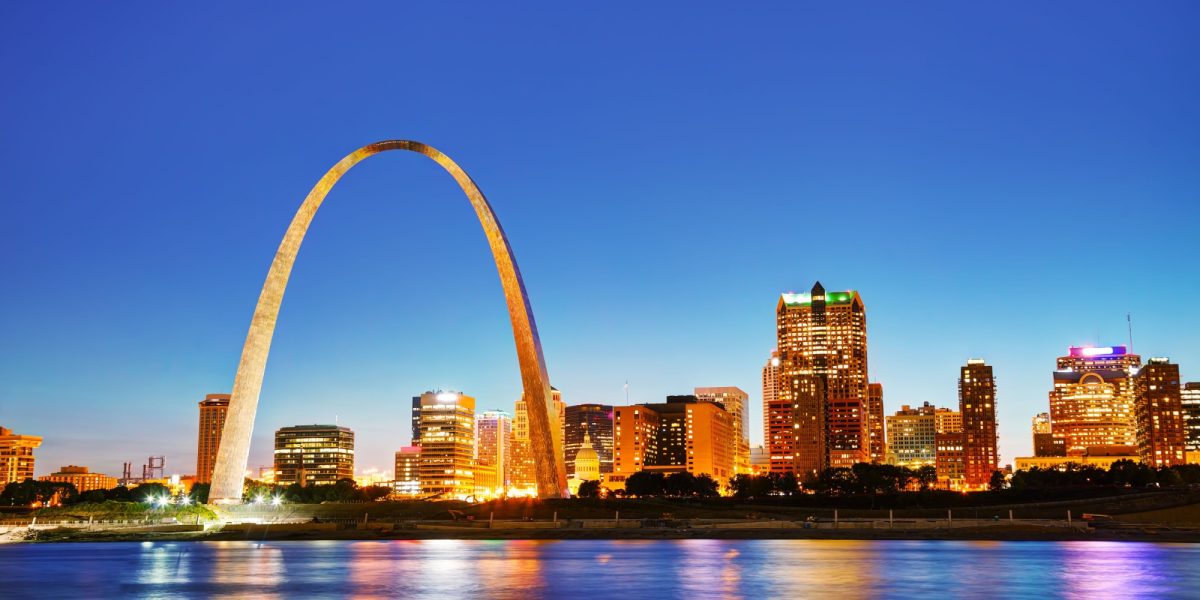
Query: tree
x: 149, y: 492
x: 705, y: 486
x: 681, y: 484
x: 199, y: 493
x: 29, y: 492
x: 997, y: 481
x: 926, y: 476
x: 645, y: 483
x: 589, y: 489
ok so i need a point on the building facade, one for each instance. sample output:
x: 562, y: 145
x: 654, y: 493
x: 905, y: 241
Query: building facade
x: 977, y: 403
x: 16, y: 456
x: 683, y: 434
x: 493, y: 452
x: 447, y: 432
x: 408, y: 471
x: 735, y: 402
x: 1044, y: 442
x: 876, y: 424
x: 313, y: 454
x: 912, y: 437
x: 822, y: 342
x: 1189, y: 398
x: 950, y: 462
x: 212, y: 422
x: 1091, y: 404
x: 522, y: 480
x: 1158, y: 411
x: 591, y: 426
x: 81, y: 478
x: 779, y: 423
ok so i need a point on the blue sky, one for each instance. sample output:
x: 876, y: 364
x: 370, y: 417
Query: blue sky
x: 998, y: 182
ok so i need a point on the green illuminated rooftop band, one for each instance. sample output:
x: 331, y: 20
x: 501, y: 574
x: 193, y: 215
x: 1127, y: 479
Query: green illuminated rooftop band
x: 805, y: 299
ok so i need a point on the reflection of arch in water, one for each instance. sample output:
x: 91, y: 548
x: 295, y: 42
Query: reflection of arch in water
x: 545, y: 441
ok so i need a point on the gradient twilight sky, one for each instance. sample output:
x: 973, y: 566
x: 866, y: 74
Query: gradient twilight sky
x: 998, y: 182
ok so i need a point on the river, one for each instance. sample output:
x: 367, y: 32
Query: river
x: 601, y: 569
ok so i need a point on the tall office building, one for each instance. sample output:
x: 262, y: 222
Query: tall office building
x: 588, y: 425
x: 447, y: 433
x: 877, y: 438
x: 683, y: 434
x: 1091, y: 405
x: 16, y: 456
x: 522, y: 477
x: 408, y: 469
x: 635, y: 439
x: 1158, y: 409
x: 313, y: 454
x: 822, y: 340
x: 735, y: 402
x: 977, y: 403
x: 212, y: 421
x: 416, y: 421
x: 493, y: 452
x: 1044, y: 442
x: 779, y: 423
x: 912, y: 437
x: 1190, y: 401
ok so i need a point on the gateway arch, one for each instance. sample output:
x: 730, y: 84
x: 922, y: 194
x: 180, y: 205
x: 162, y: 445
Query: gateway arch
x: 545, y: 441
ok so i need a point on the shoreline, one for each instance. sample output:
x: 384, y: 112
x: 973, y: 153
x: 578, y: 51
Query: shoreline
x: 1010, y: 534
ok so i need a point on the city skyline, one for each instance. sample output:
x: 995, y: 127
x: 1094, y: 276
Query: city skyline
x: 660, y: 268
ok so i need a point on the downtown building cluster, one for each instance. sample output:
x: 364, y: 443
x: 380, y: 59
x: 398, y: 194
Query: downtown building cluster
x: 820, y: 411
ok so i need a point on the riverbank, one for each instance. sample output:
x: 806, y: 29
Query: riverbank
x: 1000, y: 532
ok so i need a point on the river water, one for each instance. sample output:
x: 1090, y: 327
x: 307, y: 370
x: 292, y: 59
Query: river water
x: 601, y: 569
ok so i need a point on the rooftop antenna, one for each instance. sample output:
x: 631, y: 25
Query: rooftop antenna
x: 1129, y: 321
x: 626, y: 392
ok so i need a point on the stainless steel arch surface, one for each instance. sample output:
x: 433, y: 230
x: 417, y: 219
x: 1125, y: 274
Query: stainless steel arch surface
x: 545, y: 441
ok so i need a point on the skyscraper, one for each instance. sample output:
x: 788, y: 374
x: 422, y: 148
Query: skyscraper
x: 779, y: 423
x: 1091, y: 405
x: 977, y: 403
x: 590, y: 425
x: 1044, y: 442
x: 822, y: 340
x: 521, y: 473
x: 408, y: 469
x: 1158, y: 409
x: 735, y: 402
x: 1190, y: 400
x: 16, y: 456
x: 912, y: 437
x: 635, y: 440
x: 493, y: 451
x: 313, y: 454
x: 875, y: 423
x: 447, y: 433
x: 212, y: 421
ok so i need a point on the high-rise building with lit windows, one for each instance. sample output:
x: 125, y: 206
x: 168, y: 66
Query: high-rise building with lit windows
x: 912, y: 437
x: 1091, y: 405
x: 822, y: 343
x: 977, y: 403
x: 212, y: 423
x: 522, y: 477
x: 779, y: 423
x: 735, y: 402
x: 16, y: 456
x: 313, y: 454
x: 877, y: 443
x: 589, y: 425
x: 408, y: 471
x: 683, y: 434
x: 493, y: 452
x: 1044, y: 442
x: 1190, y: 401
x: 1158, y: 409
x: 447, y: 433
